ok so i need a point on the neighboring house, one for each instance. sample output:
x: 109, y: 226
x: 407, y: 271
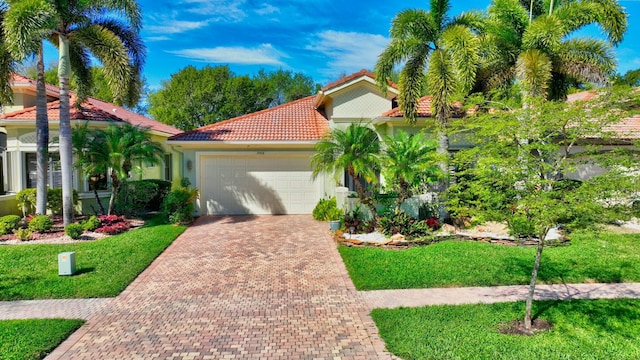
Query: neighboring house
x: 260, y: 163
x: 18, y: 143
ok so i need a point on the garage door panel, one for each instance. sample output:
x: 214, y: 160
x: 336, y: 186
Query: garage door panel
x: 257, y: 185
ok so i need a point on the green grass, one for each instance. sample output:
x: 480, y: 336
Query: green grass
x: 582, y: 329
x: 33, y: 339
x: 591, y: 257
x: 104, y: 267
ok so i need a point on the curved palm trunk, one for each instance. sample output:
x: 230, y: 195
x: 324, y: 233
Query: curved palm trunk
x: 42, y: 137
x: 66, y: 156
x: 115, y: 186
x: 362, y: 193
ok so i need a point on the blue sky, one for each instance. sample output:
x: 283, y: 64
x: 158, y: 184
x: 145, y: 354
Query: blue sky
x: 322, y: 39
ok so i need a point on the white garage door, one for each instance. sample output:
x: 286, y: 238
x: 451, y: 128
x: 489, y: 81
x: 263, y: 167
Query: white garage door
x: 257, y: 184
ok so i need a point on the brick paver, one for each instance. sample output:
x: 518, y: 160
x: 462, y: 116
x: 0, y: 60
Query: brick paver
x: 267, y: 287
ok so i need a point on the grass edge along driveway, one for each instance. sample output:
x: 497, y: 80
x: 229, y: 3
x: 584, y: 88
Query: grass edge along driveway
x: 33, y: 338
x: 104, y: 267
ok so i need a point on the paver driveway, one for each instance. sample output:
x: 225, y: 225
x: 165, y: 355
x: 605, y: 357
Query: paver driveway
x: 267, y: 287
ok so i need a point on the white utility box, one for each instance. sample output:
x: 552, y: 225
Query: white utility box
x: 66, y: 263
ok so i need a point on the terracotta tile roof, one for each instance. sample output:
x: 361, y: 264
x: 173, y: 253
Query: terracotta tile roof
x: 294, y: 121
x: 363, y: 72
x: 628, y: 128
x: 132, y: 117
x: 92, y: 110
x: 581, y: 96
x: 424, y: 109
x: 19, y: 79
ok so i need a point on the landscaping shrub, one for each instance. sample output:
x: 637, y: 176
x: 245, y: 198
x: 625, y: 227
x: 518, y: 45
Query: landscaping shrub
x: 178, y: 206
x: 74, y: 230
x: 40, y: 223
x: 8, y: 223
x: 521, y: 227
x: 327, y: 210
x: 27, y: 201
x: 134, y: 197
x: 23, y: 234
x: 91, y: 223
x: 398, y: 222
x: 112, y: 224
x: 164, y: 188
x: 54, y: 200
x: 354, y: 219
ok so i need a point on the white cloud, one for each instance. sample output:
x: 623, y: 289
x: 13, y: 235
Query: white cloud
x: 348, y: 51
x: 157, y: 38
x: 264, y: 54
x: 220, y: 10
x: 172, y: 26
x: 267, y: 9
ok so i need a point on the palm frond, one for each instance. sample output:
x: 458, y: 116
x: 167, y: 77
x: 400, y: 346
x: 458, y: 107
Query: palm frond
x: 128, y: 9
x: 412, y: 82
x: 80, y: 64
x: 438, y: 10
x: 26, y: 23
x: 587, y: 60
x: 509, y: 14
x: 533, y: 70
x: 464, y: 48
x: 441, y: 84
x: 545, y: 33
x: 474, y: 20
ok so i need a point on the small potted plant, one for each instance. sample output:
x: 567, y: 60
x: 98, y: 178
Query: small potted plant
x: 334, y: 215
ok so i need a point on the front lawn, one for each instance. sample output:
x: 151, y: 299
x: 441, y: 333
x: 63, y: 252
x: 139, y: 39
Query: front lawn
x: 33, y: 339
x: 104, y: 267
x: 591, y: 257
x: 582, y: 329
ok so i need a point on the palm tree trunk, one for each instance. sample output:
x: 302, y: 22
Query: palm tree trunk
x: 66, y: 156
x: 362, y: 193
x: 532, y: 284
x: 42, y: 137
x: 115, y: 184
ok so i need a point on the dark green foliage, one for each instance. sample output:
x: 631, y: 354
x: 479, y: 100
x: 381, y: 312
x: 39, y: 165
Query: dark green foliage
x: 8, y: 223
x: 355, y: 222
x: 41, y: 223
x: 164, y: 187
x: 54, y: 200
x: 134, y: 197
x: 178, y: 206
x: 581, y: 329
x: 91, y: 223
x: 74, y: 230
x: 326, y: 210
x: 398, y: 222
x: 35, y: 338
x: 521, y: 227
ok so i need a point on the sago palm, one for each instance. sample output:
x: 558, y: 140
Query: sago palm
x: 409, y: 161
x: 355, y: 150
x: 107, y: 30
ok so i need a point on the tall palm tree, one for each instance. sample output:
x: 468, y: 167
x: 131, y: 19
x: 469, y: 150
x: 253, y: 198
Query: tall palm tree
x: 18, y: 51
x: 355, y: 150
x: 106, y: 29
x: 532, y: 42
x: 116, y: 148
x: 408, y: 160
x: 440, y: 54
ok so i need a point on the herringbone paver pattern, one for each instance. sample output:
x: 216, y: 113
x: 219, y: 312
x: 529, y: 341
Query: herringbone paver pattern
x: 267, y: 287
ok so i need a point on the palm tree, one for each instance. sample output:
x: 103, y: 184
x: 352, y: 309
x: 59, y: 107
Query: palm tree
x: 534, y: 44
x: 107, y: 30
x: 355, y: 150
x: 439, y: 54
x: 408, y: 161
x: 19, y: 50
x: 114, y: 149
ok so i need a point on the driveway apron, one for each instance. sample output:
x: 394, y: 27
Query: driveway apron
x: 263, y: 287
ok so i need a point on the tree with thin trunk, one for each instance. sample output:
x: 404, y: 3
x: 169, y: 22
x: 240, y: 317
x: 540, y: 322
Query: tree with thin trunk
x: 356, y: 150
x: 107, y: 30
x: 528, y: 183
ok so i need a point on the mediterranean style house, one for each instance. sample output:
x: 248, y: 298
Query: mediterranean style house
x: 18, y: 143
x: 259, y: 163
